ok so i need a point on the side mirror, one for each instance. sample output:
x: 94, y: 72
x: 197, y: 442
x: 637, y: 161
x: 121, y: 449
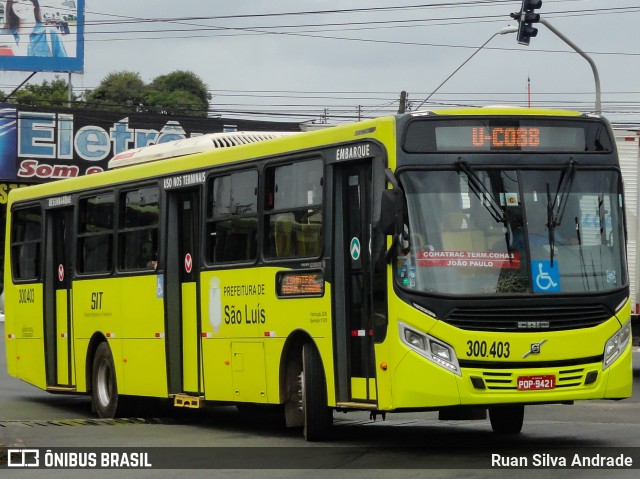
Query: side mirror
x: 391, y: 214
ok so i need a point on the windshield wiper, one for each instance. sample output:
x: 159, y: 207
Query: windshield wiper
x: 488, y: 201
x: 602, y: 217
x: 486, y: 198
x: 555, y: 208
x: 482, y: 192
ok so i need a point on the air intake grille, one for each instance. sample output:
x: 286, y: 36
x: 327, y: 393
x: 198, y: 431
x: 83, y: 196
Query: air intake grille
x: 498, y: 380
x: 525, y: 319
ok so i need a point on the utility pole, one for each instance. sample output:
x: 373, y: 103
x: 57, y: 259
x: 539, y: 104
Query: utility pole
x: 402, y: 108
x: 70, y: 92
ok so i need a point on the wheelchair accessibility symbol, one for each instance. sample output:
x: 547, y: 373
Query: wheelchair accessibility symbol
x: 546, y: 278
x: 160, y: 286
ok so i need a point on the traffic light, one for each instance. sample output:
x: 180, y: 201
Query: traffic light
x: 527, y: 18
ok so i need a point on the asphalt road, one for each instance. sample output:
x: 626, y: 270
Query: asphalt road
x: 221, y: 442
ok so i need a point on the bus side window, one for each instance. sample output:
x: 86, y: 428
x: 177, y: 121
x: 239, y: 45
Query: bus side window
x: 95, y: 234
x: 232, y: 217
x: 294, y: 209
x: 26, y: 239
x: 283, y: 234
x: 138, y: 229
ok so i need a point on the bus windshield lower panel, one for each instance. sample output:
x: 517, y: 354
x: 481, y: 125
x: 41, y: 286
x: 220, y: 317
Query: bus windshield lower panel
x: 512, y: 232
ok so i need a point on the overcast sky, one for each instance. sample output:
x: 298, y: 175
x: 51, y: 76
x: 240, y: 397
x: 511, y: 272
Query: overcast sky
x: 366, y: 57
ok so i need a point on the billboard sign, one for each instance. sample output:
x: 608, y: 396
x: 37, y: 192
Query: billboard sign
x: 42, y: 35
x: 38, y: 145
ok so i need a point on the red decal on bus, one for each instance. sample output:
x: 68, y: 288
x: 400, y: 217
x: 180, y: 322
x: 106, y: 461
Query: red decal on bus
x: 468, y: 259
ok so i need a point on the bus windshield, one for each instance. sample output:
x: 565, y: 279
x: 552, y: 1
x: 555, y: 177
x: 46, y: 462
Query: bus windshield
x: 487, y: 231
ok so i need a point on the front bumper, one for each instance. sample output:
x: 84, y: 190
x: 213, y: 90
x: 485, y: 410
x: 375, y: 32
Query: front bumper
x: 419, y: 384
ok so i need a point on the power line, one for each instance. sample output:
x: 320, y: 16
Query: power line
x: 475, y: 3
x: 386, y: 22
x: 267, y: 30
x: 341, y: 110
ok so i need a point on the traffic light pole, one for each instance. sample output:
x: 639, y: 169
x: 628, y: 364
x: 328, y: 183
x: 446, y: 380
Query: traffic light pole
x: 596, y: 75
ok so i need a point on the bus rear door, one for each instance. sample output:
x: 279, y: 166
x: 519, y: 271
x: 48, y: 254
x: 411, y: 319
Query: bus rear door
x: 182, y: 294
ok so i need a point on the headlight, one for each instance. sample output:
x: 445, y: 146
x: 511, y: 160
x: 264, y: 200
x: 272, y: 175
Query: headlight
x: 415, y: 340
x: 430, y: 348
x: 616, y: 345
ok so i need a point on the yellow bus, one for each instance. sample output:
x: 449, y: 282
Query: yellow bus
x: 462, y: 261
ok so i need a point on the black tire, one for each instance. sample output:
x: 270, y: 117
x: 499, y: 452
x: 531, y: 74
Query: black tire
x: 104, y: 387
x: 318, y: 417
x: 507, y: 419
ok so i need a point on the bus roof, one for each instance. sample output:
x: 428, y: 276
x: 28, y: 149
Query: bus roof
x: 189, y: 146
x: 498, y: 110
x: 282, y: 142
x: 213, y: 141
x: 279, y: 142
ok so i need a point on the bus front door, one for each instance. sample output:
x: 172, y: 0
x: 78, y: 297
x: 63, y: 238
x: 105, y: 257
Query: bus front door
x: 58, y: 325
x: 352, y: 288
x: 182, y: 292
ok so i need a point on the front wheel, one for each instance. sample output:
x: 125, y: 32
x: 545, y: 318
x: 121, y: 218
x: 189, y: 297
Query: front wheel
x: 104, y: 388
x: 507, y: 419
x: 318, y: 417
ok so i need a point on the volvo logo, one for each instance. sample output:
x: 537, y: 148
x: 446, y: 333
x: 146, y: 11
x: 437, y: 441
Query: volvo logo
x: 535, y: 348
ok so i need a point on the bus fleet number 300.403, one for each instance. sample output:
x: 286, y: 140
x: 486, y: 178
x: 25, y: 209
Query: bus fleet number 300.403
x: 482, y: 349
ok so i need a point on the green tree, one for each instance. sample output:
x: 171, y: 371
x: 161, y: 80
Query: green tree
x: 54, y: 93
x: 118, y: 91
x: 178, y: 93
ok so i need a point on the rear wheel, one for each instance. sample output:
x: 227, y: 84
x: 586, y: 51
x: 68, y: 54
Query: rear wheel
x: 104, y: 388
x: 318, y: 417
x: 507, y: 419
